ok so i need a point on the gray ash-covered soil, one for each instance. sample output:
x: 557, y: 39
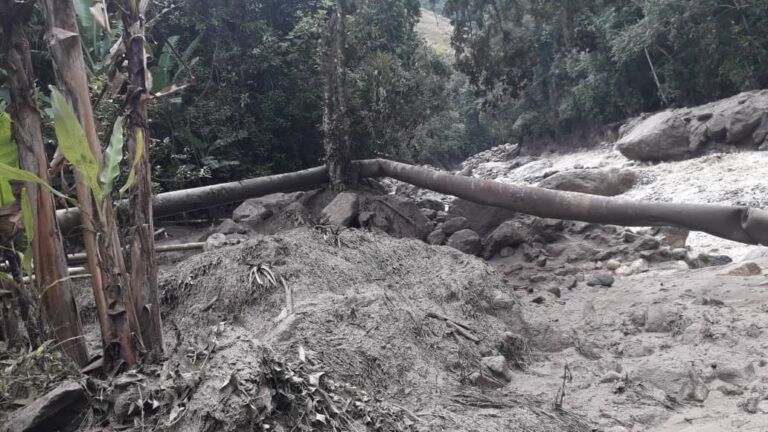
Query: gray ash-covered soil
x: 360, y: 317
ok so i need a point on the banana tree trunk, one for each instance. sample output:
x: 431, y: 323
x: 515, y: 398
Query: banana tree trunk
x: 741, y: 224
x: 117, y: 316
x: 59, y: 306
x: 143, y: 266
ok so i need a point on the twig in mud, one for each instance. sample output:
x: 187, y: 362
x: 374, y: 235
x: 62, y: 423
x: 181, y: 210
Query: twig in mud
x: 457, y: 327
x: 567, y: 377
x: 210, y: 304
x: 288, y: 295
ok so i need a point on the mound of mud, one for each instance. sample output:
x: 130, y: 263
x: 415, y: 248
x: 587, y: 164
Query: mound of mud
x: 324, y: 330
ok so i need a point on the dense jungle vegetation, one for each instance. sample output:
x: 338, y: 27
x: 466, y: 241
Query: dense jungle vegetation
x: 248, y: 99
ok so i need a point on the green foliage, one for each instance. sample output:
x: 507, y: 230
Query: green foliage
x: 549, y: 67
x: 9, y: 155
x: 73, y: 144
x: 112, y: 157
x: 136, y: 159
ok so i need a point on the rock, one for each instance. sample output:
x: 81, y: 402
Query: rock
x: 510, y: 233
x: 436, y: 237
x: 694, y: 388
x: 638, y: 317
x: 507, y: 252
x: 570, y: 282
x: 555, y: 291
x: 635, y: 350
x: 660, y: 319
x: 256, y: 210
x: 611, y: 377
x: 455, y: 224
x: 485, y: 380
x: 466, y: 241
x: 612, y: 264
x: 737, y: 376
x: 660, y: 255
x: 431, y: 204
x: 624, y: 271
x: 639, y: 266
x: 215, y: 241
x: 228, y: 226
x: 707, y: 260
x: 669, y: 379
x: 529, y: 252
x: 61, y: 409
x: 645, y: 243
x: 503, y: 301
x: 730, y: 390
x: 482, y: 219
x: 760, y: 136
x: 606, y: 182
x: 662, y: 136
x: 680, y: 254
x: 498, y: 366
x: 673, y: 237
x: 750, y: 405
x: 541, y: 262
x: 745, y: 269
x: 600, y: 279
x: 396, y: 216
x: 342, y: 210
x: 429, y: 213
x: 742, y: 122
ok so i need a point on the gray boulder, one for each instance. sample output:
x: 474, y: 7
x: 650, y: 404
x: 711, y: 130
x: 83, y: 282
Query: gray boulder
x: 510, y: 233
x: 606, y: 182
x: 255, y: 210
x: 466, y: 241
x: 660, y: 137
x: 482, y: 219
x: 436, y: 237
x: 397, y: 216
x: 58, y: 410
x: 455, y: 224
x: 342, y: 210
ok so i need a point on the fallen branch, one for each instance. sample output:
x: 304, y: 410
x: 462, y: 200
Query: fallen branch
x: 80, y: 257
x: 461, y: 329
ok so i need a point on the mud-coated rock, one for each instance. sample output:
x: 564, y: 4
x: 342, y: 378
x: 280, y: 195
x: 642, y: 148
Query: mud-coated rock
x: 482, y: 219
x: 694, y: 388
x: 455, y: 225
x: 707, y: 260
x: 674, y: 237
x: 215, y: 241
x: 436, y: 237
x: 258, y: 209
x: 660, y: 319
x: 498, y: 366
x: 466, y: 241
x: 662, y: 136
x: 606, y: 182
x: 342, y: 210
x: 397, y: 216
x: 228, y: 226
x: 746, y: 269
x: 645, y: 243
x: 600, y: 279
x: 510, y: 233
x: 61, y: 409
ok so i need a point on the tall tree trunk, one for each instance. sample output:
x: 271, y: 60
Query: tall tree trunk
x: 335, y: 119
x: 117, y: 316
x: 143, y: 267
x: 59, y: 306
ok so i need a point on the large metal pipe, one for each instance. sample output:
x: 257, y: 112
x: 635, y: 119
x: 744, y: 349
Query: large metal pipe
x: 742, y: 224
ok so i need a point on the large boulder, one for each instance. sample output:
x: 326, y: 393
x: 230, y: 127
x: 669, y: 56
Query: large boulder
x: 61, y: 409
x: 482, y: 219
x: 466, y: 241
x: 739, y: 120
x: 606, y: 182
x: 455, y: 224
x: 659, y: 137
x: 397, y: 216
x: 342, y: 210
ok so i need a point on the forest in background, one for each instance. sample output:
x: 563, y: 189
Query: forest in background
x: 245, y: 89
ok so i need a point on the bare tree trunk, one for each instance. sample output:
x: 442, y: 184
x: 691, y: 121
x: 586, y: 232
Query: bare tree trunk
x: 143, y: 266
x: 335, y: 117
x: 59, y: 306
x: 117, y: 315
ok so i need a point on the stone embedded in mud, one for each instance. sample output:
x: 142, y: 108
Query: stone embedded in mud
x: 455, y: 225
x: 397, y: 216
x: 485, y: 380
x: 694, y: 389
x: 61, y: 409
x: 342, y: 210
x: 436, y: 237
x: 611, y: 377
x: 503, y: 301
x: 746, y: 269
x: 639, y: 266
x: 482, y: 219
x: 466, y: 241
x: 730, y: 390
x: 570, y: 282
x: 646, y: 243
x: 509, y: 234
x: 497, y: 365
x: 624, y: 271
x: 255, y: 210
x: 674, y: 237
x: 601, y: 279
x: 734, y: 375
x: 661, y: 318
x: 612, y: 264
x: 605, y: 182
x: 706, y: 260
x: 228, y: 226
x: 215, y: 241
x: 555, y: 291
